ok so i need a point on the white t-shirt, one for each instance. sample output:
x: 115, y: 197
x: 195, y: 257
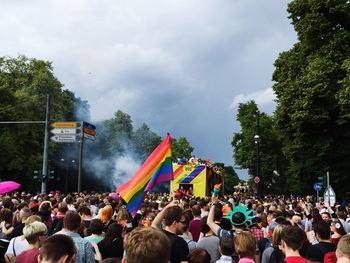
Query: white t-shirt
x: 17, y: 246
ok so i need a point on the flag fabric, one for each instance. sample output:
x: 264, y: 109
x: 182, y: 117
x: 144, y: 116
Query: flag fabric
x: 156, y: 169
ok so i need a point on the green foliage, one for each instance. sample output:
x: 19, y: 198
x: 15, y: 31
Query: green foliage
x: 229, y: 176
x: 145, y: 141
x: 312, y: 88
x: 181, y: 148
x: 24, y: 84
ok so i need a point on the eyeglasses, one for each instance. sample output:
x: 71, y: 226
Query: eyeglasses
x: 183, y: 222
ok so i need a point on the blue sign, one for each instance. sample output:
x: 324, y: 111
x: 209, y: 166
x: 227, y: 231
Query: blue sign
x: 317, y: 187
x: 89, y: 125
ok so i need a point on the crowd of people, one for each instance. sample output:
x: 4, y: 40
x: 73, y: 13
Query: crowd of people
x: 94, y: 227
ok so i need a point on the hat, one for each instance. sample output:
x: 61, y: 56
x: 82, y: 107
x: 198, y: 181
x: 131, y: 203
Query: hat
x: 240, y: 215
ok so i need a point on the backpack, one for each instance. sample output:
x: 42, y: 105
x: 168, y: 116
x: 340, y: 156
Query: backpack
x: 277, y: 255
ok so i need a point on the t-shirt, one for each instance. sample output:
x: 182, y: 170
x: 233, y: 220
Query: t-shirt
x: 296, y: 259
x: 317, y: 252
x: 17, y: 246
x: 179, y: 248
x: 28, y: 256
x: 94, y: 238
x: 211, y: 245
x: 195, y: 229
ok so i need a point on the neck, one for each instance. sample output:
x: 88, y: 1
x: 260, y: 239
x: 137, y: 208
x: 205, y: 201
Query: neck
x: 324, y: 240
x: 170, y: 229
x: 291, y: 253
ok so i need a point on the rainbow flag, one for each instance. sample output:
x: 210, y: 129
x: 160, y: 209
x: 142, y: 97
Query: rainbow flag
x: 156, y: 169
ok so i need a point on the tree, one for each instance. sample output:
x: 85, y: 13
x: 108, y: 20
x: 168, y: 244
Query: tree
x: 312, y: 85
x: 271, y: 157
x: 145, y: 141
x: 230, y: 177
x: 181, y: 148
x: 24, y: 84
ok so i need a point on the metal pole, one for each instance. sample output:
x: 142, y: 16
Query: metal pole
x: 258, y: 156
x: 66, y: 181
x: 46, y: 146
x: 328, y: 189
x: 81, y: 157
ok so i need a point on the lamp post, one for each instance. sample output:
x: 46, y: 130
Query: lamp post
x: 258, y: 179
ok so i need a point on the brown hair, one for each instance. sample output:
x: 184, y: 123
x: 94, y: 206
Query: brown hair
x: 147, y: 245
x: 56, y: 247
x: 276, y: 235
x: 172, y: 214
x: 245, y: 245
x: 293, y: 236
x: 71, y: 220
x: 198, y: 255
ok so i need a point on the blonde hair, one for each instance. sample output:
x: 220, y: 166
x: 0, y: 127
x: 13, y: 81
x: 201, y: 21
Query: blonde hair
x: 33, y: 230
x: 343, y: 247
x: 276, y: 235
x: 31, y: 219
x: 147, y: 245
x: 245, y: 245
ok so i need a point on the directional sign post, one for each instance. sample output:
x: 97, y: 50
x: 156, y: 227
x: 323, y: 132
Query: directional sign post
x: 65, y: 138
x: 317, y: 187
x: 65, y: 132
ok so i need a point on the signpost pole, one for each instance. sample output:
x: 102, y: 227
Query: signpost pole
x: 46, y: 146
x: 81, y: 158
x: 328, y: 189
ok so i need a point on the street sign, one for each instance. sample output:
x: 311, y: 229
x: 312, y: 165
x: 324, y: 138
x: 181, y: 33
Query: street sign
x: 89, y: 131
x: 65, y: 138
x: 257, y: 179
x: 67, y: 124
x: 89, y: 125
x: 89, y: 137
x: 317, y: 187
x: 329, y: 195
x: 65, y: 131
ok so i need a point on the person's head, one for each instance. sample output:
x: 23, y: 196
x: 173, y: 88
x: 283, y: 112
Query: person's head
x: 196, y: 211
x: 24, y: 214
x: 96, y: 226
x: 337, y: 227
x: 72, y: 221
x: 62, y: 207
x: 146, y: 245
x: 35, y: 232
x: 106, y: 213
x: 45, y: 206
x: 198, y: 255
x: 292, y: 237
x: 84, y: 212
x: 58, y: 248
x: 276, y: 235
x: 245, y: 245
x: 226, y: 246
x: 204, y: 227
x: 322, y: 230
x: 174, y: 219
x: 6, y: 215
x: 7, y: 203
x: 326, y: 217
x: 113, y: 231
x: 343, y: 248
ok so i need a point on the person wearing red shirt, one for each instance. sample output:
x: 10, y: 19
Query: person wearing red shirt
x: 292, y: 239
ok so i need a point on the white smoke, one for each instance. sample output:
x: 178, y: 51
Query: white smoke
x: 125, y: 167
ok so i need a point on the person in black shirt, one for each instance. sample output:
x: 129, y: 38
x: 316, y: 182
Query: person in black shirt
x: 323, y: 235
x: 174, y: 224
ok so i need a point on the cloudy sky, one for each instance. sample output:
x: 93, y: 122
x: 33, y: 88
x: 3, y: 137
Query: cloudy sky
x: 180, y: 66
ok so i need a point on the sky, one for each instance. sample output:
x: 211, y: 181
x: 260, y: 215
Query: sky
x: 180, y: 66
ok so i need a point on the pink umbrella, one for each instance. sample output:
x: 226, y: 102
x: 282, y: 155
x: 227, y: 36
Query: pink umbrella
x: 8, y: 186
x: 114, y: 196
